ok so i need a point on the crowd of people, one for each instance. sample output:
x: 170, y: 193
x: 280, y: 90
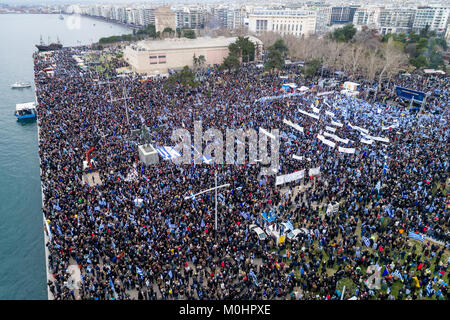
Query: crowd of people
x: 168, y: 248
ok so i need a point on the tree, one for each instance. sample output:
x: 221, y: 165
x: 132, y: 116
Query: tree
x: 312, y: 67
x: 280, y: 46
x: 185, y: 77
x: 275, y: 59
x: 393, y: 60
x: 189, y: 33
x: 419, y: 62
x: 247, y: 48
x: 344, y: 34
x: 231, y: 62
x: 268, y: 38
x: 168, y: 31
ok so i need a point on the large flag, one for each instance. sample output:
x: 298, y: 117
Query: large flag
x: 366, y: 241
x: 139, y: 272
x: 168, y: 153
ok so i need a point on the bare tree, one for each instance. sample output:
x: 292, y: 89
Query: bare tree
x: 268, y: 38
x: 393, y: 60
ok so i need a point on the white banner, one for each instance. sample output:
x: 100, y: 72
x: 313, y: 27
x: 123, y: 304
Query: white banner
x: 324, y: 93
x: 335, y: 137
x: 366, y: 141
x: 381, y: 139
x: 290, y: 177
x: 330, y: 129
x: 293, y: 125
x: 359, y: 128
x: 309, y: 114
x: 314, y: 171
x: 316, y: 110
x: 346, y: 150
x: 337, y: 124
x: 327, y: 142
x: 297, y: 157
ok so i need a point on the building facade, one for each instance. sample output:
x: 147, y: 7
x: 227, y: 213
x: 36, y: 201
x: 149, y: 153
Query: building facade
x: 396, y: 20
x: 435, y: 17
x: 155, y: 57
x: 294, y: 22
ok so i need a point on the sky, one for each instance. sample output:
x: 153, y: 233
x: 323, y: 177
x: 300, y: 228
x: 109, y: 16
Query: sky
x: 52, y: 2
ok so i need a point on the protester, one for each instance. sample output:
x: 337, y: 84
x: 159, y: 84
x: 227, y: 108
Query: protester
x: 168, y: 248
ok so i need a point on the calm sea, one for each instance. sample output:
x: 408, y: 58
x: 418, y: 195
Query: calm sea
x: 22, y: 258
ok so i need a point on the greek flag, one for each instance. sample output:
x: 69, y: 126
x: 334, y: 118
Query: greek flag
x: 245, y: 215
x: 397, y: 274
x: 139, y: 272
x: 56, y: 207
x: 416, y: 236
x: 168, y: 153
x: 290, y: 225
x: 378, y: 186
x: 253, y: 275
x: 366, y: 241
x: 170, y: 274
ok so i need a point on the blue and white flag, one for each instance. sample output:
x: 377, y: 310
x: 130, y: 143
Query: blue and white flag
x: 139, y: 272
x: 397, y: 274
x: 416, y: 236
x: 170, y: 274
x: 290, y: 225
x: 366, y: 241
x: 168, y: 153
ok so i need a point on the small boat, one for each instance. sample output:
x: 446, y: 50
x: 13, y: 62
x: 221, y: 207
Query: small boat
x: 20, y: 85
x: 25, y: 111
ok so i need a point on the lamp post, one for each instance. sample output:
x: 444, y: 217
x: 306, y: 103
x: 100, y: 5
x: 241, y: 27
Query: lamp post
x: 216, y: 187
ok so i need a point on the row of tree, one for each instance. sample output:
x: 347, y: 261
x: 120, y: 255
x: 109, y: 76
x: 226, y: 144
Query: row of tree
x: 363, y: 52
x: 150, y: 32
x: 356, y: 53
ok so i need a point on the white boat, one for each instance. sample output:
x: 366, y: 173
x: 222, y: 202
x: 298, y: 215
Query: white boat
x: 25, y: 111
x: 21, y: 85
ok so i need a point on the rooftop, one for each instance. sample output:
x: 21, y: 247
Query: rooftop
x: 184, y: 43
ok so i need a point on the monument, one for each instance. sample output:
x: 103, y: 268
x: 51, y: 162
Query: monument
x: 147, y: 153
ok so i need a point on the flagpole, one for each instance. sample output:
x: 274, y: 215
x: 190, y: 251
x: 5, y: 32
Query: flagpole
x: 215, y: 198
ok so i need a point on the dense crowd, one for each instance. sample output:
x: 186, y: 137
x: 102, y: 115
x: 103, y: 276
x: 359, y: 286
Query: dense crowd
x: 168, y: 248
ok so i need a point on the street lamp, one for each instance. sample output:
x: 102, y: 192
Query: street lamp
x: 216, y: 187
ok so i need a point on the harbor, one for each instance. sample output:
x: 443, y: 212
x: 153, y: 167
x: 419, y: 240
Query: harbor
x: 22, y: 250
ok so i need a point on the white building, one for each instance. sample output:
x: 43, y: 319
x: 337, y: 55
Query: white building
x: 367, y: 17
x: 295, y: 22
x: 396, y: 20
x: 436, y: 17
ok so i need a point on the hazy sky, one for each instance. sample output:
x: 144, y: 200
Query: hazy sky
x: 52, y: 2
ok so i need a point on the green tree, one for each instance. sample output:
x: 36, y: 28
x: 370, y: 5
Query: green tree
x: 275, y: 60
x: 419, y: 62
x: 312, y: 67
x: 231, y: 62
x: 344, y: 34
x: 189, y: 33
x: 185, y: 77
